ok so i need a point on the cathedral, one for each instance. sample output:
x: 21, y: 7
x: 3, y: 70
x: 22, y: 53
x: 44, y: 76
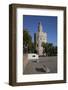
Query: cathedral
x: 39, y: 38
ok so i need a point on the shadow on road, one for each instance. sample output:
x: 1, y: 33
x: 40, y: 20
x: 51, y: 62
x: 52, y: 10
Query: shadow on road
x: 40, y: 70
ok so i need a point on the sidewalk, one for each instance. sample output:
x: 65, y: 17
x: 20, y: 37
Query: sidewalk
x: 25, y: 60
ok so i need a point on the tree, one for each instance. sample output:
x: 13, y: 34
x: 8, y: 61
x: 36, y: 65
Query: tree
x: 45, y: 47
x: 27, y: 40
x: 55, y: 50
x: 49, y: 49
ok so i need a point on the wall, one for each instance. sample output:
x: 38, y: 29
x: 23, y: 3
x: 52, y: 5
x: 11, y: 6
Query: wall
x: 4, y: 44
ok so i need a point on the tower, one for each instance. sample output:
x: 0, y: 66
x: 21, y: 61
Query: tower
x: 40, y: 37
x: 39, y: 27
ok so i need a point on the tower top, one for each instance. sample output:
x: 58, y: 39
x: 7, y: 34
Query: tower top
x: 39, y: 27
x: 39, y: 23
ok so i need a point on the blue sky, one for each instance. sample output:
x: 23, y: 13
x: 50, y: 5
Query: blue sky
x: 49, y: 24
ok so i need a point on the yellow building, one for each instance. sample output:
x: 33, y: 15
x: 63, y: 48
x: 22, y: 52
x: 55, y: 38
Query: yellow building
x: 40, y: 37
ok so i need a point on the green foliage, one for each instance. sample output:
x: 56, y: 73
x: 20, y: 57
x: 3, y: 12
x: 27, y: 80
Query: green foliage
x: 27, y: 42
x: 27, y: 39
x: 49, y: 49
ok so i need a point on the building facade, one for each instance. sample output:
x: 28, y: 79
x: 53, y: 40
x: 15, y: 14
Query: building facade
x: 40, y: 37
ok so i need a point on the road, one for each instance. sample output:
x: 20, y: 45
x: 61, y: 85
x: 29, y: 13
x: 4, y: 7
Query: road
x: 44, y: 65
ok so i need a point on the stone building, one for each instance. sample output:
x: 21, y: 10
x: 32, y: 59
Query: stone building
x: 39, y: 38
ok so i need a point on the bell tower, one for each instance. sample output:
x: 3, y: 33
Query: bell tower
x: 40, y: 37
x: 39, y: 27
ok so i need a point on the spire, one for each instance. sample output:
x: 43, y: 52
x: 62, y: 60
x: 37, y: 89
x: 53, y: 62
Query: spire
x: 39, y: 23
x: 39, y: 27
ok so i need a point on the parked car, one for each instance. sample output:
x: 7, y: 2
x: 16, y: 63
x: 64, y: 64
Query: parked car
x: 33, y: 57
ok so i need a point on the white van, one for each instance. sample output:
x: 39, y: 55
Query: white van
x: 33, y: 56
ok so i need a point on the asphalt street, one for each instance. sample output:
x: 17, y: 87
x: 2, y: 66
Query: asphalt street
x: 43, y: 65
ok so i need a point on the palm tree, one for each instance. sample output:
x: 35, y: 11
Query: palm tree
x: 49, y: 49
x: 45, y: 48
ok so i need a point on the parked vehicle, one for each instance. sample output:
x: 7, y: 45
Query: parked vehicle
x: 33, y: 56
